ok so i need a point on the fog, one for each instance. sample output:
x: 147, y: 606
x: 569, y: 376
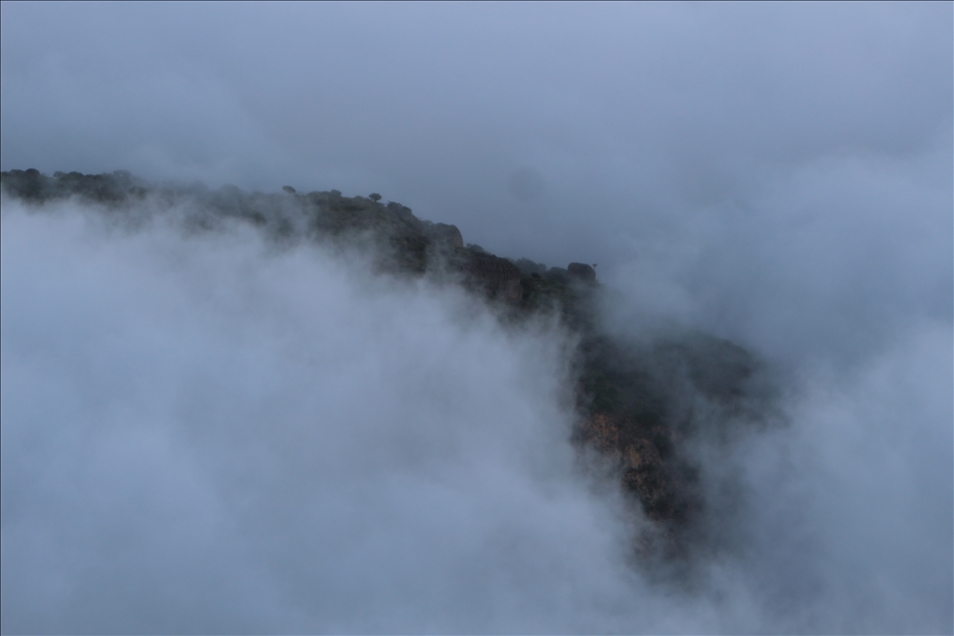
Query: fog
x: 206, y: 433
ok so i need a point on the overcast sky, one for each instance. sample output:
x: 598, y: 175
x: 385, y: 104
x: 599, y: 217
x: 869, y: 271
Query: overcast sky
x: 697, y: 139
x: 780, y: 174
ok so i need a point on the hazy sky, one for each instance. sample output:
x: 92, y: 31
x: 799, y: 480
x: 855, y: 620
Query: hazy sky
x: 780, y: 174
x: 808, y: 141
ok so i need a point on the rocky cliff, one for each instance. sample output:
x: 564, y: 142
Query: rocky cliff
x: 639, y: 405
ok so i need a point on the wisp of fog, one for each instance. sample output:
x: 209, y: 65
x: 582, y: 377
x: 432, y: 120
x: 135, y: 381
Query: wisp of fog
x: 205, y: 432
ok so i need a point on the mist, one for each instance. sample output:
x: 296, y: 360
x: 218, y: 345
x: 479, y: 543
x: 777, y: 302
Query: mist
x: 207, y: 432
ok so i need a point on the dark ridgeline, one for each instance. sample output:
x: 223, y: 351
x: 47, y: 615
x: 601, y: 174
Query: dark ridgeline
x: 640, y: 405
x: 31, y: 185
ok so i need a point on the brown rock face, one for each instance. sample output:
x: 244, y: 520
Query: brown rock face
x: 644, y: 471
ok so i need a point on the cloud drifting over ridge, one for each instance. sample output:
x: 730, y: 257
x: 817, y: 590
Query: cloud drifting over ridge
x: 695, y: 144
x: 265, y: 428
x: 202, y: 434
x: 780, y: 175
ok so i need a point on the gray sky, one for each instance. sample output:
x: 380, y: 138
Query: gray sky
x: 780, y: 174
x: 799, y: 143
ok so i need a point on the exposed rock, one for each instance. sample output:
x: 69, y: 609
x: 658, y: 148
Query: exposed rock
x: 644, y: 470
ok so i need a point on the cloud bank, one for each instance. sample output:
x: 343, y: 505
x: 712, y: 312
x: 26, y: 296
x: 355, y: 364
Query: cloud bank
x: 205, y: 433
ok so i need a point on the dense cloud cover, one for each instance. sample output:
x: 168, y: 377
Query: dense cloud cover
x: 203, y: 434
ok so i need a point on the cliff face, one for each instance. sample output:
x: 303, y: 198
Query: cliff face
x: 638, y: 405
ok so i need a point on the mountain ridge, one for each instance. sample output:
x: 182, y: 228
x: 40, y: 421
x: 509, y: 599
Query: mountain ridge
x: 641, y: 406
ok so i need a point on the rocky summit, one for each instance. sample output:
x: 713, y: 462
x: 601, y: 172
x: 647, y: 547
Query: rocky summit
x: 644, y: 406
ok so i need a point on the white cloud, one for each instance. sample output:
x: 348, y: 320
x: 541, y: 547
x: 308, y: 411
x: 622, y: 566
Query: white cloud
x: 778, y: 174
